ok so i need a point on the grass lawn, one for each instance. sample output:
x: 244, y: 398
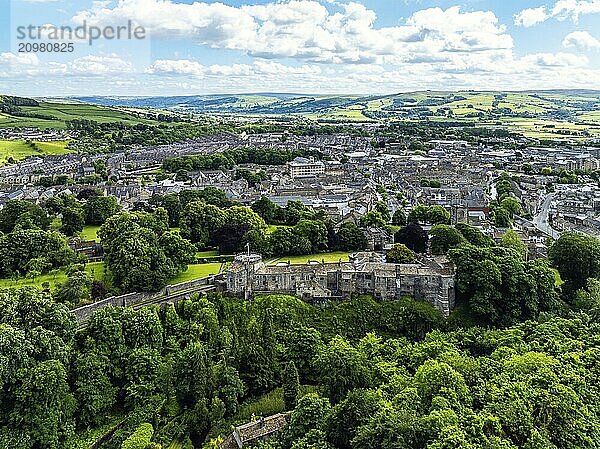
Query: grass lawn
x: 90, y: 232
x: 327, y: 257
x: 18, y: 150
x: 196, y: 271
x: 213, y: 253
x: 96, y: 269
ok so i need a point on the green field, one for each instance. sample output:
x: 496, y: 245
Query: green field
x: 580, y: 108
x: 17, y: 150
x: 53, y: 148
x: 89, y: 232
x: 213, y: 253
x: 59, y: 113
x: 57, y: 277
x: 196, y: 271
x: 326, y: 257
x: 96, y: 269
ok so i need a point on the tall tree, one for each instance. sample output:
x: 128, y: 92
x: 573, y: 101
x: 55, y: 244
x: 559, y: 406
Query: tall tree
x: 473, y: 235
x: 399, y: 218
x: 72, y: 220
x: 99, y: 208
x: 577, y: 258
x: 511, y: 239
x: 443, y: 238
x: 291, y: 386
x: 400, y: 254
x: 350, y: 237
x: 413, y: 236
x: 17, y: 212
x: 200, y: 221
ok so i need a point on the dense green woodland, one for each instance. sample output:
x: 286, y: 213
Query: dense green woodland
x: 514, y: 366
x: 387, y: 375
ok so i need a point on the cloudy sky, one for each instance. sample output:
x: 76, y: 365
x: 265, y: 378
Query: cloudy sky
x: 305, y: 46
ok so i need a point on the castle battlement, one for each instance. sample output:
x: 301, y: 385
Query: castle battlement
x: 366, y: 273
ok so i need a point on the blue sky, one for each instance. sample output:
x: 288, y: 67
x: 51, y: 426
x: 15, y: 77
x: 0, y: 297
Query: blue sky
x: 304, y: 46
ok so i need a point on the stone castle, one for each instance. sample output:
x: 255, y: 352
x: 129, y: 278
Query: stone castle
x: 366, y: 273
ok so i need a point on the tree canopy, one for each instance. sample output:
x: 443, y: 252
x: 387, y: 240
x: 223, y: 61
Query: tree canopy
x: 141, y: 253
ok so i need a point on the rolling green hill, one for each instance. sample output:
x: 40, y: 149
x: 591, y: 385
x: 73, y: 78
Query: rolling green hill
x: 552, y: 114
x: 575, y: 105
x: 54, y: 114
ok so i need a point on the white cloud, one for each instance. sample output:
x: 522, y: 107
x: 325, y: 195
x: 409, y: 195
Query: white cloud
x: 455, y: 30
x: 312, y: 46
x: 93, y: 65
x: 208, y: 23
x: 573, y: 9
x: 562, y: 10
x: 177, y: 67
x: 532, y: 16
x: 556, y: 60
x: 186, y: 67
x: 29, y: 65
x: 20, y: 63
x: 581, y: 39
x: 307, y: 30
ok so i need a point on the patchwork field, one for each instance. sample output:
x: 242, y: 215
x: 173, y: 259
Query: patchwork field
x: 557, y: 114
x: 552, y: 129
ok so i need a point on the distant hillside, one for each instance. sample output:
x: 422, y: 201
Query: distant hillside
x: 551, y: 114
x: 18, y: 112
x: 580, y: 105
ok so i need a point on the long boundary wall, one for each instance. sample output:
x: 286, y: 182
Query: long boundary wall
x: 168, y: 293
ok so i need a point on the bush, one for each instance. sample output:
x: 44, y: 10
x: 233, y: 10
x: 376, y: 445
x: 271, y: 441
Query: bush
x: 140, y: 438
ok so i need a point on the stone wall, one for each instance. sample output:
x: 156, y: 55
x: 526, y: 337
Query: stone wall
x: 170, y: 292
x: 433, y: 283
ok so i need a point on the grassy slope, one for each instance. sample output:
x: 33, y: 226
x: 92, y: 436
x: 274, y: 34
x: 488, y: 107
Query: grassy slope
x: 195, y: 272
x: 62, y: 112
x: 520, y: 102
x: 96, y: 269
x: 56, y: 278
x: 354, y: 108
x: 90, y: 232
x: 19, y: 149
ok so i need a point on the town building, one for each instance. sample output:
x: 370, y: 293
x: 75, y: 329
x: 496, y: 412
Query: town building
x: 255, y: 431
x: 365, y: 273
x: 302, y: 167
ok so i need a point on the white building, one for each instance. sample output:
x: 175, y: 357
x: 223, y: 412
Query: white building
x: 303, y: 167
